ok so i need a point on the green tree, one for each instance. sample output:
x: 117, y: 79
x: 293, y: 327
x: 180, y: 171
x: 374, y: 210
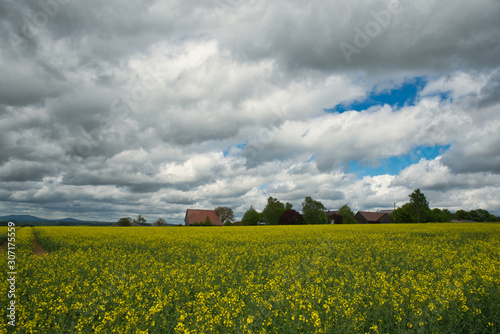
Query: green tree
x: 139, y: 221
x: 478, y: 215
x: 481, y: 215
x: 346, y: 212
x: 251, y: 217
x: 436, y: 215
x: 462, y: 214
x: 160, y: 222
x: 475, y: 216
x: 440, y: 216
x: 225, y: 214
x: 486, y: 216
x: 288, y: 206
x: 419, y: 207
x: 447, y: 215
x: 402, y: 215
x: 273, y: 211
x: 313, y: 212
x: 125, y: 221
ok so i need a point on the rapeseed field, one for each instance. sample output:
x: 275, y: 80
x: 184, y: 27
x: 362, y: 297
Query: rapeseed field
x: 3, y: 234
x: 427, y: 278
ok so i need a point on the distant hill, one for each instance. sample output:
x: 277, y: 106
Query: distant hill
x: 23, y: 218
x: 71, y: 220
x: 32, y: 220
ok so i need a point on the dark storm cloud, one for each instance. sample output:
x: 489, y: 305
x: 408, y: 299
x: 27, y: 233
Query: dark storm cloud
x: 489, y: 95
x: 479, y: 152
x: 377, y: 36
x: 15, y: 171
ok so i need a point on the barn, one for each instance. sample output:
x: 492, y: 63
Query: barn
x: 364, y: 217
x: 195, y: 215
x: 334, y: 217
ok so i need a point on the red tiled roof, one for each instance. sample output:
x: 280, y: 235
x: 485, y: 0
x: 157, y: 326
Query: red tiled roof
x: 193, y: 215
x: 372, y: 216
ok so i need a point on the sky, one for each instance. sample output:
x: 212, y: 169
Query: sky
x: 115, y: 108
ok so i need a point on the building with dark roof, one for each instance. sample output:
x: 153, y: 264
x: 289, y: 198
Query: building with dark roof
x: 334, y: 217
x: 364, y: 217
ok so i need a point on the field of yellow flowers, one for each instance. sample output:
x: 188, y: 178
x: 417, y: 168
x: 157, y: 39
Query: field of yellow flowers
x: 3, y: 234
x: 427, y: 278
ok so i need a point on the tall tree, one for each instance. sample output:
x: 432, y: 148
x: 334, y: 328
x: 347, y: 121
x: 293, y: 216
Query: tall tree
x: 419, y: 207
x: 313, y: 211
x: 251, y: 217
x: 347, y: 215
x: 225, y: 214
x: 273, y: 211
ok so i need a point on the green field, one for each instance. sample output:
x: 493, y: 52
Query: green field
x: 427, y: 278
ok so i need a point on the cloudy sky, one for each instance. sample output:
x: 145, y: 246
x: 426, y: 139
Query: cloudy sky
x: 118, y: 108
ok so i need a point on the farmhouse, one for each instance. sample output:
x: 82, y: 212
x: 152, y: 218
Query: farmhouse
x: 364, y: 217
x: 194, y: 215
x: 334, y: 217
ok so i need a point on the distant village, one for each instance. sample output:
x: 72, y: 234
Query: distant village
x: 314, y: 212
x: 198, y: 217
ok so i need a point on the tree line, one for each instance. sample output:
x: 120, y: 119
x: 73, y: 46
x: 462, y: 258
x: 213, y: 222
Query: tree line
x: 314, y: 212
x: 139, y: 221
x: 417, y: 211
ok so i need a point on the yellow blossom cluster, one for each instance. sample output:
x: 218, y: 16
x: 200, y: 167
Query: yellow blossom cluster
x: 427, y: 278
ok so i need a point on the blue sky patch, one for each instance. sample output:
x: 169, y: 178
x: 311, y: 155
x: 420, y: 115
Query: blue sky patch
x: 396, y: 164
x: 239, y: 146
x: 399, y: 96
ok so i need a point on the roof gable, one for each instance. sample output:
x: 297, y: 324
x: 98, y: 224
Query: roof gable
x: 372, y: 216
x: 195, y: 215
